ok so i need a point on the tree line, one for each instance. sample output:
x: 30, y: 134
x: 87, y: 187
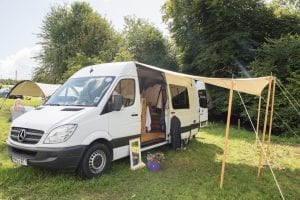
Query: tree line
x: 232, y: 38
x: 7, y: 82
x: 76, y: 36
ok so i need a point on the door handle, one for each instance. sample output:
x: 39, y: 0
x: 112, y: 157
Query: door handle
x: 134, y: 115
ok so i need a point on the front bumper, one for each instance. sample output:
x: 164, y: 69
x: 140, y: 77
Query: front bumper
x: 56, y: 158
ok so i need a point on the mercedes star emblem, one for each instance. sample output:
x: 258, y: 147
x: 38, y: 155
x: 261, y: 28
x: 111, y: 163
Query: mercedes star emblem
x: 22, y: 135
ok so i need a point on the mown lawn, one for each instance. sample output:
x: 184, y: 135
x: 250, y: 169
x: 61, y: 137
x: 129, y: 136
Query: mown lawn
x: 193, y: 173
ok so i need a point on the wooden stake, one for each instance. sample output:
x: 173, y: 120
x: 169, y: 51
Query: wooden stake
x: 227, y: 134
x: 239, y: 124
x: 271, y: 117
x: 265, y: 127
x: 257, y: 123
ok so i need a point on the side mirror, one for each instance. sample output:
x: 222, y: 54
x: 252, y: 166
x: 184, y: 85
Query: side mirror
x: 118, y: 102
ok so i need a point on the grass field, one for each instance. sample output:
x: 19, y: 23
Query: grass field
x: 193, y: 173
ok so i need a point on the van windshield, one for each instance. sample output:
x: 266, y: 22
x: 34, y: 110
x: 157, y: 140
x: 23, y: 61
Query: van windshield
x: 85, y: 91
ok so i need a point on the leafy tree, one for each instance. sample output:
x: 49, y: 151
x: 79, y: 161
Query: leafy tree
x: 7, y: 82
x: 147, y: 44
x: 218, y: 38
x: 77, y: 62
x: 286, y: 6
x: 71, y: 31
x: 282, y: 58
x: 124, y: 55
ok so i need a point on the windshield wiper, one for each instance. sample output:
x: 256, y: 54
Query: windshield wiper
x: 73, y: 105
x: 53, y: 104
x: 83, y: 105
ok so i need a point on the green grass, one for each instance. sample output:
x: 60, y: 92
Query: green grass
x: 6, y: 86
x: 193, y: 173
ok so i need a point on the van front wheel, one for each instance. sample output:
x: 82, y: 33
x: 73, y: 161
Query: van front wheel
x: 95, y: 161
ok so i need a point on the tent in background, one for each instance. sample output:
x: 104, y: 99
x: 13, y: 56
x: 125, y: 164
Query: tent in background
x: 30, y: 88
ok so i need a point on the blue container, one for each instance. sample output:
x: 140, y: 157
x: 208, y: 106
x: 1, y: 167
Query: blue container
x: 153, y: 166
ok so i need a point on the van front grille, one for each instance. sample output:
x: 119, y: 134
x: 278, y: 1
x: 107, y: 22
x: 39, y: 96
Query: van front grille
x: 25, y: 135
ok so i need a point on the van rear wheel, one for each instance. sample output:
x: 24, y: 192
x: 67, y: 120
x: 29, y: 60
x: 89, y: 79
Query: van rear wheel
x: 175, y: 132
x: 95, y: 161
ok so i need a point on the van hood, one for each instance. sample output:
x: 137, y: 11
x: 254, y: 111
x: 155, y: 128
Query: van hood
x: 48, y: 117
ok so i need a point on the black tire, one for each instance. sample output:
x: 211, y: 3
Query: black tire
x: 96, y: 160
x: 175, y: 132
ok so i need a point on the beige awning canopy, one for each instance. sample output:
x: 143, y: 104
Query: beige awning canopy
x: 30, y: 88
x: 252, y: 86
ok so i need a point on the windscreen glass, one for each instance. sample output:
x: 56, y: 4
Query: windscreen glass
x: 85, y: 91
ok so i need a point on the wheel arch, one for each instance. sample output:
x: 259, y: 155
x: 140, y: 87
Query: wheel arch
x: 175, y: 121
x: 100, y: 137
x: 106, y: 142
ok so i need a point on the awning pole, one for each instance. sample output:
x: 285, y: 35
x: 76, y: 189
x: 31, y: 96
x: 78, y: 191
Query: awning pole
x: 227, y: 134
x: 265, y: 127
x: 271, y: 117
x: 257, y: 123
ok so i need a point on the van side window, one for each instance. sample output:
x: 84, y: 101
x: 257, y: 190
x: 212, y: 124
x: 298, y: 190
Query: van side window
x: 126, y: 88
x: 202, y: 98
x: 180, y: 97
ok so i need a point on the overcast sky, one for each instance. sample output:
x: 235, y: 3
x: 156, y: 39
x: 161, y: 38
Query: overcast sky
x: 20, y: 22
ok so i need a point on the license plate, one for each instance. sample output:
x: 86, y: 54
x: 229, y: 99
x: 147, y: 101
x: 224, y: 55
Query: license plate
x: 19, y: 160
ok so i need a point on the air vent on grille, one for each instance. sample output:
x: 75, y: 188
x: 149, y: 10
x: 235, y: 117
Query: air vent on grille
x: 25, y: 135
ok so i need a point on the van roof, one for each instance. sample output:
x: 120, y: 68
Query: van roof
x: 117, y: 69
x: 108, y: 69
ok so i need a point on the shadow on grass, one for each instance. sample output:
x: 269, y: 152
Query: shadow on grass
x: 247, y: 135
x: 186, y: 174
x: 234, y: 133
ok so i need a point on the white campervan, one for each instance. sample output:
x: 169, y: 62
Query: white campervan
x: 89, y: 120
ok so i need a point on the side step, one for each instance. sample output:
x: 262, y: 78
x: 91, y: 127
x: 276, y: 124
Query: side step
x: 150, y: 146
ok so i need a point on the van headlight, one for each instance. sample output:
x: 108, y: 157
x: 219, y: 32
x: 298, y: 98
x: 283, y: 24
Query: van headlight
x: 60, y: 134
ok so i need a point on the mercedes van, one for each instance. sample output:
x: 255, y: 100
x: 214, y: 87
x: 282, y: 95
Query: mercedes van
x: 88, y: 122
